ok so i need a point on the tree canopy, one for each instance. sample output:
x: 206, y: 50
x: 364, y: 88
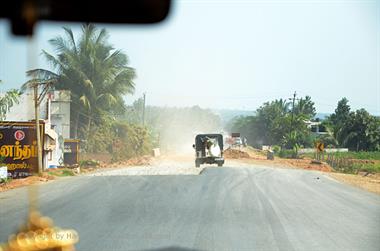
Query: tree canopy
x: 356, y: 130
x: 274, y: 124
x: 278, y: 123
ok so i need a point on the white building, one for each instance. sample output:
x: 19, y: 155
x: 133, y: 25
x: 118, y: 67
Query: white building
x: 60, y: 119
x: 314, y: 127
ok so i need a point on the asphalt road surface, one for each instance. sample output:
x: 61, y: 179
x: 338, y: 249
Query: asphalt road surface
x: 229, y: 208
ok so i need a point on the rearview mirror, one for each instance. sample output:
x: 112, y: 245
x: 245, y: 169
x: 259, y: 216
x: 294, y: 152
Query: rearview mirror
x: 23, y: 14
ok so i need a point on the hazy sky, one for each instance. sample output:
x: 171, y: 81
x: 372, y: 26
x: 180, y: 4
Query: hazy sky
x: 238, y: 54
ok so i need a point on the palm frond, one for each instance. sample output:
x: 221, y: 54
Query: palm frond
x: 60, y: 44
x: 42, y: 74
x: 85, y: 102
x: 52, y: 60
x: 70, y: 35
x: 102, y: 36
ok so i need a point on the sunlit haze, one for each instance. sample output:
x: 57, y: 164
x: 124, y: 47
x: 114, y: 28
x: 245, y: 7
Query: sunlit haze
x: 238, y: 54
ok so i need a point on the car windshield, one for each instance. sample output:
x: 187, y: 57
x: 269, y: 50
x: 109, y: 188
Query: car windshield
x: 230, y: 125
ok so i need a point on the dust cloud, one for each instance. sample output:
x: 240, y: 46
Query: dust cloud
x: 177, y: 127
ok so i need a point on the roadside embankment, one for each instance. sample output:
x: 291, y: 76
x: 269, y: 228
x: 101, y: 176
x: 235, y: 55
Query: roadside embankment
x: 255, y: 156
x: 369, y: 181
x: 87, y: 166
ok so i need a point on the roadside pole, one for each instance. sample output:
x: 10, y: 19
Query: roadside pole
x: 294, y: 101
x: 32, y: 63
x: 143, y: 112
x: 39, y: 150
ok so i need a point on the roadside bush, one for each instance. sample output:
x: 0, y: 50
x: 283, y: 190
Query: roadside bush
x: 5, y: 180
x: 121, y: 140
x: 100, y: 139
x: 131, y: 141
x: 276, y: 148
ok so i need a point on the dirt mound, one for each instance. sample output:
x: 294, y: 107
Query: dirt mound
x: 139, y: 161
x: 370, y: 183
x: 136, y: 161
x: 25, y: 182
x: 305, y: 164
x: 235, y: 154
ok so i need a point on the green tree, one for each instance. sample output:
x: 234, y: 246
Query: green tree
x: 355, y: 130
x: 361, y: 132
x: 97, y: 75
x: 341, y: 114
x: 134, y: 112
x: 305, y: 106
x: 273, y: 121
x: 274, y: 124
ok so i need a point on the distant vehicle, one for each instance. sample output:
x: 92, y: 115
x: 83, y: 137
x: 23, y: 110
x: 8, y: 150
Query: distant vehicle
x: 208, y: 149
x: 238, y: 142
x: 235, y: 134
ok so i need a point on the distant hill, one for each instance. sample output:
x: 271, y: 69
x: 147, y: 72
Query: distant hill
x: 322, y: 116
x: 227, y: 114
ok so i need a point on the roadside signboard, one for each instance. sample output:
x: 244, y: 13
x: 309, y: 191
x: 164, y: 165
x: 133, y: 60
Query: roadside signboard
x: 71, y: 152
x: 320, y: 147
x: 18, y: 147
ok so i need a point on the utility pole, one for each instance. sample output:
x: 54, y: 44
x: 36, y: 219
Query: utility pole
x: 32, y: 62
x: 294, y: 101
x: 38, y: 98
x: 143, y: 112
x: 38, y: 136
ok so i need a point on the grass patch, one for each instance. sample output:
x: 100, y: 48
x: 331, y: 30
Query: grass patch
x: 350, y: 155
x: 6, y: 180
x: 89, y: 163
x: 366, y: 167
x: 64, y: 172
x: 351, y: 167
x: 352, y: 162
x: 359, y: 155
x: 287, y: 154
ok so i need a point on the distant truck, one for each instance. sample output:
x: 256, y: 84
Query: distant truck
x: 235, y: 139
x: 208, y: 149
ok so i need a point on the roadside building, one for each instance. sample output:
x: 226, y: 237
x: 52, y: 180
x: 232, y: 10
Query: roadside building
x: 55, y: 118
x: 60, y: 120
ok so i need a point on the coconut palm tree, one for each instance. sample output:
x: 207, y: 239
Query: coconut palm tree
x: 97, y: 75
x: 305, y: 107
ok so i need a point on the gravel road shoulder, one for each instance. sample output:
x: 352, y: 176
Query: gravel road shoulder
x: 173, y: 165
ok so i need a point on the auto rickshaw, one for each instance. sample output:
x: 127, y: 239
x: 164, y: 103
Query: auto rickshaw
x: 208, y: 149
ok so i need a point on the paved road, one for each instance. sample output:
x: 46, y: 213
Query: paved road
x: 222, y: 209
